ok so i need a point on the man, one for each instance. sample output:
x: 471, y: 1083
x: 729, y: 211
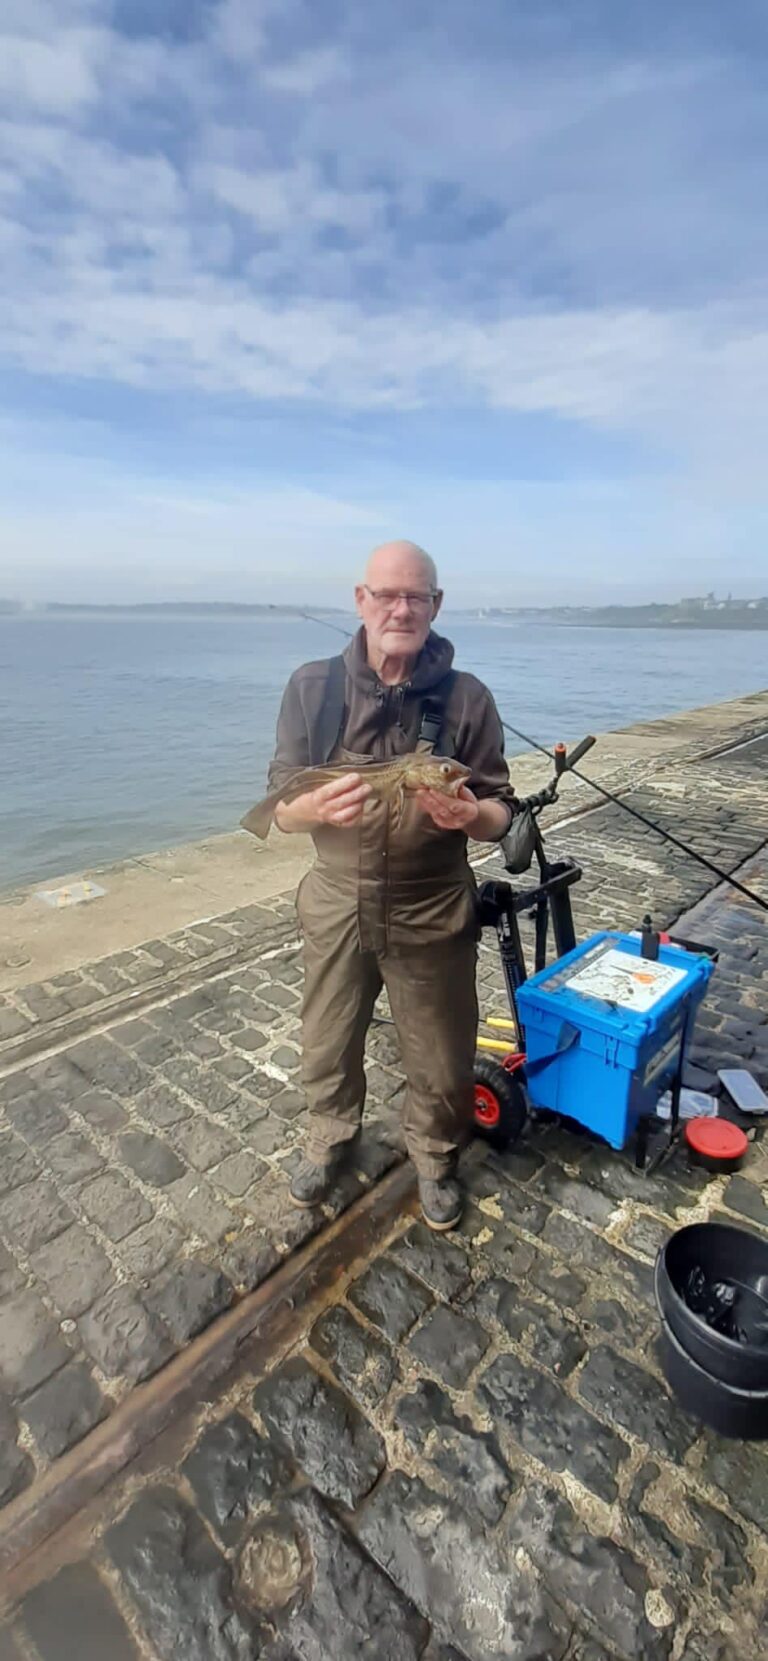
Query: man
x: 391, y: 903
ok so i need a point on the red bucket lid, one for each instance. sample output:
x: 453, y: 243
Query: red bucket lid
x: 716, y: 1139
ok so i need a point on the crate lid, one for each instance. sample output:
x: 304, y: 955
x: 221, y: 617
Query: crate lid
x: 606, y: 982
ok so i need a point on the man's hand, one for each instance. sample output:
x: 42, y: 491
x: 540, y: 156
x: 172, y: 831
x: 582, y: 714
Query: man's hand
x: 339, y: 803
x: 484, y: 821
x: 458, y: 812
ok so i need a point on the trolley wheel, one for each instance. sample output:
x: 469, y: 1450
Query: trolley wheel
x: 500, y: 1105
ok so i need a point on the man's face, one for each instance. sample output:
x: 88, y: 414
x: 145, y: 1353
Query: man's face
x: 397, y: 604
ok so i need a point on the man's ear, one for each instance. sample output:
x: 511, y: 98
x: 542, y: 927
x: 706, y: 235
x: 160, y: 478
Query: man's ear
x: 436, y: 604
x: 359, y: 592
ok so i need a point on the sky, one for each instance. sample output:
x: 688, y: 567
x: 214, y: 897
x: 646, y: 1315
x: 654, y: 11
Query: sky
x: 281, y: 279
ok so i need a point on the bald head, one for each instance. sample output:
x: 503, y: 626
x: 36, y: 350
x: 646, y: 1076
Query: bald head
x: 398, y: 602
x: 401, y: 565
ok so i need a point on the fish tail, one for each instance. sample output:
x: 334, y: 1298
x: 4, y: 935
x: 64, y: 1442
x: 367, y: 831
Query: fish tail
x: 258, y: 819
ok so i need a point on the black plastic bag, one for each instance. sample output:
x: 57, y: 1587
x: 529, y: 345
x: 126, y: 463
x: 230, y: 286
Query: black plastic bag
x: 735, y: 1311
x: 519, y: 844
x: 713, y: 1300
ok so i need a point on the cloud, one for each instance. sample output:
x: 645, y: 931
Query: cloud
x: 677, y: 375
x: 305, y: 74
x: 433, y: 209
x: 54, y: 76
x: 276, y: 200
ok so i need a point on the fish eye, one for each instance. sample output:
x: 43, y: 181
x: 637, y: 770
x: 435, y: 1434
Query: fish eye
x: 446, y: 769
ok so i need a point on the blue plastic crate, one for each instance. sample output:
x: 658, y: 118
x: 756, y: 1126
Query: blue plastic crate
x: 603, y: 1030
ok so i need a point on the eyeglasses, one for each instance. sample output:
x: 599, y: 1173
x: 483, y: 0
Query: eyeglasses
x: 387, y: 598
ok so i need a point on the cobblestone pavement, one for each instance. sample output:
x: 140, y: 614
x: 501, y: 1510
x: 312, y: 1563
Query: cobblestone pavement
x: 144, y: 1165
x: 476, y: 1450
x: 469, y: 1455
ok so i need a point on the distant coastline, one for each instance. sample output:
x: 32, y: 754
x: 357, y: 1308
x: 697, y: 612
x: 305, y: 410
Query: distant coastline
x: 162, y: 608
x: 707, y: 614
x: 739, y: 615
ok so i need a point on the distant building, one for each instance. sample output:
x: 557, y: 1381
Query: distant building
x: 709, y: 602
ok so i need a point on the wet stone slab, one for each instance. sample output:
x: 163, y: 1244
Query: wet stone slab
x: 471, y: 1590
x: 346, y: 1606
x: 748, y: 1200
x: 74, y: 1269
x: 146, y: 1251
x: 37, y: 1117
x: 75, y: 1615
x: 470, y: 1460
x: 743, y: 1472
x: 593, y: 1256
x: 31, y: 1216
x: 124, y: 1337
x: 445, y: 1269
x: 362, y: 1363
x: 150, y: 1158
x: 629, y: 1396
x: 556, y: 1281
x: 591, y: 1574
x: 322, y: 1430
x: 389, y: 1298
x: 569, y: 1194
x: 180, y: 1583
x: 187, y: 1298
x: 625, y: 1323
x: 449, y: 1345
x: 234, y: 1474
x: 115, y: 1205
x: 552, y: 1340
x: 713, y: 1551
x: 11, y: 1277
x: 31, y: 1346
x: 73, y: 1157
x: 16, y: 1467
x: 18, y: 1164
x: 501, y: 1200
x: 547, y: 1423
x: 62, y: 1411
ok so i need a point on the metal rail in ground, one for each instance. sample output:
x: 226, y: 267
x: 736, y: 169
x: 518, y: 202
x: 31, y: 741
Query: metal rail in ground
x: 266, y: 1321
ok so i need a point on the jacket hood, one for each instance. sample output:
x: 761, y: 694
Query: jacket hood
x: 431, y: 666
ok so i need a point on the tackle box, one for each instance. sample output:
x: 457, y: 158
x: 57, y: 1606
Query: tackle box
x: 604, y: 1028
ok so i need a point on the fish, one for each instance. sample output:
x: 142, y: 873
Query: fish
x: 390, y: 782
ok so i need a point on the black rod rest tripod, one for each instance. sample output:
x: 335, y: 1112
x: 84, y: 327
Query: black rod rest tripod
x: 501, y: 904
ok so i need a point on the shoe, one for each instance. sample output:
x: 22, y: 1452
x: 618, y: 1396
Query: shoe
x: 312, y: 1184
x: 442, y: 1203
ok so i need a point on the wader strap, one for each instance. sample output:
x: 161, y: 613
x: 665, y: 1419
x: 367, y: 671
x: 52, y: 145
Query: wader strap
x: 431, y: 731
x: 325, y: 732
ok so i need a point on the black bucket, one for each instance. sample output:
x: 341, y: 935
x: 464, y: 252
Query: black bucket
x: 716, y: 1377
x: 739, y: 1414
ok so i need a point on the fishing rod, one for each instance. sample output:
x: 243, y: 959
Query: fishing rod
x: 309, y: 618
x: 608, y: 795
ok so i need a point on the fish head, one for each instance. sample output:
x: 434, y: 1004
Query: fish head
x: 441, y: 773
